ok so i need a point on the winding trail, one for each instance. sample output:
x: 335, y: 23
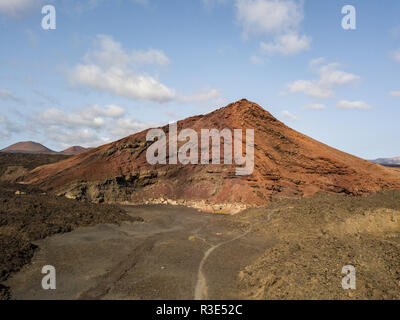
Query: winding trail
x: 145, y: 261
x: 201, y: 291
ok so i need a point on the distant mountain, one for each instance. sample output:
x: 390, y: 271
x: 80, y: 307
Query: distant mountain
x: 37, y: 148
x: 28, y: 147
x: 388, y: 161
x: 74, y: 150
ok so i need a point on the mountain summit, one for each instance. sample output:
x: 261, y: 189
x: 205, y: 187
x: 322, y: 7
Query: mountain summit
x: 286, y: 164
x: 27, y: 147
x: 74, y: 150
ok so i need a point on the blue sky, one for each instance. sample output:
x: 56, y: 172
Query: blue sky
x: 112, y: 68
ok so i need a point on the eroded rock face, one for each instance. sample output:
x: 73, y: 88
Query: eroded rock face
x: 287, y: 164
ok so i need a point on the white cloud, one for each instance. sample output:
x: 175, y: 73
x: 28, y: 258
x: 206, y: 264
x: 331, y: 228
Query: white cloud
x: 110, y: 68
x: 396, y: 55
x: 92, y: 116
x: 276, y: 19
x: 288, y: 115
x: 344, y: 104
x: 14, y: 7
x: 314, y: 106
x: 268, y: 16
x: 82, y: 137
x: 394, y: 93
x: 111, y: 111
x: 126, y: 127
x: 287, y: 44
x: 311, y: 88
x: 89, y: 127
x: 329, y: 78
x: 123, y: 83
x: 150, y: 56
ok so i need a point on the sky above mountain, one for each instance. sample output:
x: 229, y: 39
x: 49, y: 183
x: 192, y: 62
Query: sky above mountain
x: 112, y: 68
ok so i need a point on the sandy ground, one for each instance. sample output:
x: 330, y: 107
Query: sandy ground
x: 157, y: 259
x: 291, y: 249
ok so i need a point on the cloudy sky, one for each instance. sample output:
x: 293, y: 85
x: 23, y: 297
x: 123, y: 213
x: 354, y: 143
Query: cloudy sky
x: 115, y: 67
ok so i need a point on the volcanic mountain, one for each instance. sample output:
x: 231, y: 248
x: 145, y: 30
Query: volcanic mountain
x: 27, y: 147
x: 74, y: 150
x: 287, y: 164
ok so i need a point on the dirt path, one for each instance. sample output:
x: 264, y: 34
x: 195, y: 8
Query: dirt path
x: 201, y: 292
x: 172, y: 255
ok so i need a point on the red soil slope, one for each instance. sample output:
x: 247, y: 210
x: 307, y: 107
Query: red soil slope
x: 287, y: 164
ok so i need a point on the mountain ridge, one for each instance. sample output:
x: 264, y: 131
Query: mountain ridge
x: 74, y: 150
x: 38, y: 148
x: 27, y: 147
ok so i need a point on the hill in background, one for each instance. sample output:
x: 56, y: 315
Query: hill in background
x: 31, y: 147
x: 74, y: 150
x: 28, y: 147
